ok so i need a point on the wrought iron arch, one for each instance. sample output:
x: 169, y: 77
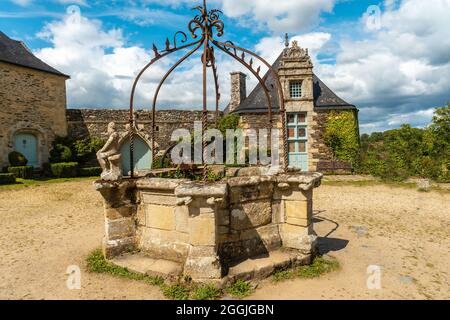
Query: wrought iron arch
x: 207, y: 25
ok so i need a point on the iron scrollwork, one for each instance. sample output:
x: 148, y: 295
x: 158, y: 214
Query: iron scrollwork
x: 210, y: 25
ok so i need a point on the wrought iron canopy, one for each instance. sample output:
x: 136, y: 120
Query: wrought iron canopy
x: 204, y: 28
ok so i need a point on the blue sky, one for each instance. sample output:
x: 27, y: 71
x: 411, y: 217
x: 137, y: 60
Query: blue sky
x: 392, y: 60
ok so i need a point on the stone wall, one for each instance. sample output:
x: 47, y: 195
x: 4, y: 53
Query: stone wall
x: 208, y: 227
x: 83, y: 123
x: 33, y: 102
x: 317, y: 121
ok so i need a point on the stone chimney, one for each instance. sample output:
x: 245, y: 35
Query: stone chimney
x: 238, y: 89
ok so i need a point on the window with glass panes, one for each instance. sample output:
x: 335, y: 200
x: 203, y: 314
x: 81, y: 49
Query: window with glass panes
x: 295, y: 89
x: 297, y: 131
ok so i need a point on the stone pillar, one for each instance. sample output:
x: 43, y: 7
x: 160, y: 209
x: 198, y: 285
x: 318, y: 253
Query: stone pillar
x: 294, y: 196
x: 120, y: 212
x: 238, y: 89
x: 203, y: 202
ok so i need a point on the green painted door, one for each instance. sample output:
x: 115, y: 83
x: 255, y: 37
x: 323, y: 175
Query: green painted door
x: 142, y: 155
x: 298, y: 140
x: 27, y: 144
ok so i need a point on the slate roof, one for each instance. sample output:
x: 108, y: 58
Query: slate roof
x: 15, y: 52
x: 324, y: 98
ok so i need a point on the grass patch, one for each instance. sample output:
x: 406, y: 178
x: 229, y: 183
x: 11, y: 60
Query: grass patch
x: 206, y: 292
x: 283, y: 275
x: 240, y: 289
x: 27, y: 183
x: 176, y: 292
x: 320, y: 266
x: 98, y: 264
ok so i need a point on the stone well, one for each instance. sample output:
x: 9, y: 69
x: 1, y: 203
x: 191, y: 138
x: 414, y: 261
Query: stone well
x: 241, y: 227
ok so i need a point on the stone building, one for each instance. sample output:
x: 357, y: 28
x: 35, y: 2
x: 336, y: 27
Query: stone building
x: 308, y: 102
x: 32, y: 103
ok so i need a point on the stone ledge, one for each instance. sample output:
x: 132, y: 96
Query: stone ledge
x: 140, y: 263
x: 159, y: 183
x: 198, y: 189
x: 260, y: 268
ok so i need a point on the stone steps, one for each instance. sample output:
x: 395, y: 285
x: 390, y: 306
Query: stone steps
x: 140, y: 263
x: 261, y: 267
x: 256, y: 268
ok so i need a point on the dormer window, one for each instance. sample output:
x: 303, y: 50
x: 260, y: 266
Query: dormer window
x: 295, y: 89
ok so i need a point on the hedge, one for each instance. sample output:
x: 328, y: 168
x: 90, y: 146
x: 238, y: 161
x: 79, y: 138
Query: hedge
x: 24, y: 172
x: 90, y: 172
x: 7, y: 178
x: 64, y: 170
x: 16, y: 159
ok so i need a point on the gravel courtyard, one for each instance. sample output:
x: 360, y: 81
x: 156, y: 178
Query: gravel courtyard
x: 44, y: 229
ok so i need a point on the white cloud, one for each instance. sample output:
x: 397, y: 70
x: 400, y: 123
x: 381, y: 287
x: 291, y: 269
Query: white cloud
x: 100, y: 65
x: 22, y: 3
x: 25, y: 3
x: 392, y: 75
x: 102, y: 68
x: 395, y: 73
x: 282, y: 15
x: 279, y: 16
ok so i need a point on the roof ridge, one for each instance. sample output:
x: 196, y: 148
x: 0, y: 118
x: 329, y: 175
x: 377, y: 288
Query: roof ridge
x: 256, y: 101
x: 17, y: 52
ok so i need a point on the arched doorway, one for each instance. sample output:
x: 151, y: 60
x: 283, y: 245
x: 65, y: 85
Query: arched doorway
x: 27, y: 144
x: 142, y: 155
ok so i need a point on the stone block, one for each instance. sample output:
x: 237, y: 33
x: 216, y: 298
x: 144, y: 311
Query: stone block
x: 292, y: 194
x: 297, y: 237
x: 163, y: 244
x: 160, y: 217
x: 298, y: 222
x: 140, y: 216
x: 240, y: 194
x: 231, y: 236
x: 119, y: 213
x: 298, y: 210
x: 251, y: 215
x: 203, y: 268
x: 114, y: 248
x: 223, y: 217
x: 164, y: 199
x: 278, y: 212
x: 202, y: 231
x: 121, y: 228
x: 182, y: 219
x: 200, y: 206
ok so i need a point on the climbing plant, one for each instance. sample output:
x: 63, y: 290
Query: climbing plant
x: 341, y: 136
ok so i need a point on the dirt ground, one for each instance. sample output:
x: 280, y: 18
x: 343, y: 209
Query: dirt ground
x: 48, y: 228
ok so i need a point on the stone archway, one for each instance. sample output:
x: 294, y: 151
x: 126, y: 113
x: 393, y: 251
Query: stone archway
x: 35, y: 138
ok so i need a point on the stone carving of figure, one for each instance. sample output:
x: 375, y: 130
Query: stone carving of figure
x: 109, y: 156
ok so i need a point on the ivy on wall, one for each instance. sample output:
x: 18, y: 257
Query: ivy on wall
x: 341, y: 136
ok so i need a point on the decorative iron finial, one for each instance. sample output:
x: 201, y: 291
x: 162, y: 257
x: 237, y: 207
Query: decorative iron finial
x: 286, y: 42
x: 205, y: 28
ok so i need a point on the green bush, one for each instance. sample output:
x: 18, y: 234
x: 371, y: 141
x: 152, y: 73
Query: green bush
x: 230, y: 121
x: 7, y: 178
x: 86, y: 149
x: 64, y: 170
x: 25, y: 172
x: 60, y: 153
x: 16, y: 159
x: 89, y: 172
